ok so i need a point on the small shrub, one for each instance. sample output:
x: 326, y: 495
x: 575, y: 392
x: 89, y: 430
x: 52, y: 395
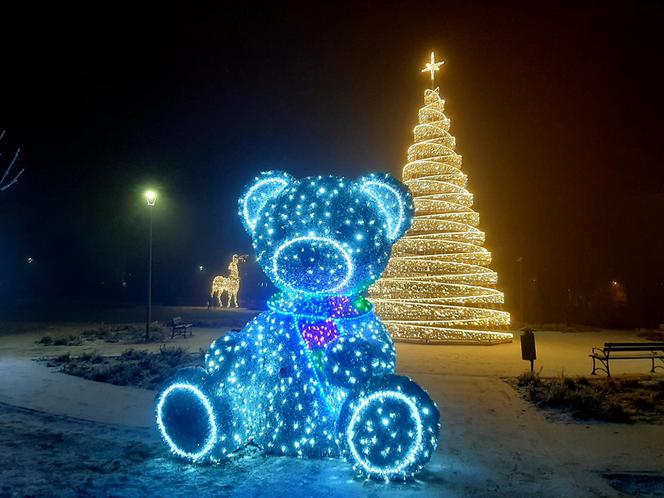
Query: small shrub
x: 582, y: 381
x: 569, y: 383
x: 47, y: 340
x: 59, y: 360
x: 613, y: 412
x: 132, y: 354
x: 71, y: 340
x: 91, y: 357
x: 608, y: 399
x: 528, y: 378
x: 132, y: 367
x: 172, y: 356
x: 124, y: 333
x: 105, y: 374
x: 629, y: 383
x: 652, y: 335
x: 102, y: 333
x: 120, y: 374
x: 585, y: 405
x: 646, y: 403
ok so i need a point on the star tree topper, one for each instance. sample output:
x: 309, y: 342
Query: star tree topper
x: 432, y: 67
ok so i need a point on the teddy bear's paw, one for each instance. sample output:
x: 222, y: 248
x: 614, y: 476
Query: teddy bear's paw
x: 349, y: 361
x: 389, y: 428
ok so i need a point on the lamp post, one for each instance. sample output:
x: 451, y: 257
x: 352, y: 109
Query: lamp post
x: 151, y: 198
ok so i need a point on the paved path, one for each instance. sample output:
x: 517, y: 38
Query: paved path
x: 28, y: 384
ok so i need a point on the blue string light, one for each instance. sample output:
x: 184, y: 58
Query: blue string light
x: 313, y: 376
x: 188, y: 395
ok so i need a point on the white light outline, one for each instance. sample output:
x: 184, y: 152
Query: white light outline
x: 393, y: 231
x: 415, y: 446
x: 349, y: 263
x: 212, y: 438
x: 245, y: 212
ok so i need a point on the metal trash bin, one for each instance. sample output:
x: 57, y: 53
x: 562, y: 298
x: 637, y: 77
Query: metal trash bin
x: 528, y: 351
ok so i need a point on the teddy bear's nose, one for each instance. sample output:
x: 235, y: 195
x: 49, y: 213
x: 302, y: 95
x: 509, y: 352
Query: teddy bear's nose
x: 312, y: 264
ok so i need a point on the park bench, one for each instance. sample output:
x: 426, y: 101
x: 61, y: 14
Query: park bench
x: 178, y: 327
x: 627, y: 351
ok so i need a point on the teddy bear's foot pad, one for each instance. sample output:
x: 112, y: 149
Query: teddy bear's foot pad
x: 186, y: 415
x: 389, y: 429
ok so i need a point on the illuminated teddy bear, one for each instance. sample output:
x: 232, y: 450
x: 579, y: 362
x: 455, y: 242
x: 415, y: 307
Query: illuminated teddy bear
x: 314, y: 375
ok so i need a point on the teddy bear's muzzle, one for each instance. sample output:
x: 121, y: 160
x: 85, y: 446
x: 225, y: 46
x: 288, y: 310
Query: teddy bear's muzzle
x: 312, y: 264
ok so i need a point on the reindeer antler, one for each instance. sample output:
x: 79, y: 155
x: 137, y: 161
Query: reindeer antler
x: 4, y: 186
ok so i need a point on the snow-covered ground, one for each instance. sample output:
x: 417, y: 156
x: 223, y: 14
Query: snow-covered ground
x: 62, y: 435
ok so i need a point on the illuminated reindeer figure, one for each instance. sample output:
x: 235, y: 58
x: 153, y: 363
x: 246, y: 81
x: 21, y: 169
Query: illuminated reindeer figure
x: 5, y: 180
x: 229, y: 284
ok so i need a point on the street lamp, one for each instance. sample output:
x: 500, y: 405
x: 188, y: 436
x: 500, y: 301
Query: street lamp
x: 151, y: 198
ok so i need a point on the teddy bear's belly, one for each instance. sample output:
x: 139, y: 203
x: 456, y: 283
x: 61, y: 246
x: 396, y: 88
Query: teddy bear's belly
x: 296, y: 410
x: 277, y: 382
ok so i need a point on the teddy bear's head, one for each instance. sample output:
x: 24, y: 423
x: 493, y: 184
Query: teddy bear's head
x: 324, y: 235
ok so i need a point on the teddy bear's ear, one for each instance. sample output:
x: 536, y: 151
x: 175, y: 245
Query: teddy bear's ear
x: 258, y: 193
x: 393, y: 201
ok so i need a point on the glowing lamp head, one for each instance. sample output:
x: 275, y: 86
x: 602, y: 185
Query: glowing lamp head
x: 324, y: 235
x: 151, y: 197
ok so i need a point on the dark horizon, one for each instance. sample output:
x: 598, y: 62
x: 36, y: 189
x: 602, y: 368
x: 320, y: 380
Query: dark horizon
x: 555, y: 111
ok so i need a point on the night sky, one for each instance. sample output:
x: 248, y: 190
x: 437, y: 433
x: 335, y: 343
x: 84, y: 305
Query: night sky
x: 556, y: 110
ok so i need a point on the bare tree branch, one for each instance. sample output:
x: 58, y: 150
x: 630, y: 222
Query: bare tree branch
x: 4, y: 184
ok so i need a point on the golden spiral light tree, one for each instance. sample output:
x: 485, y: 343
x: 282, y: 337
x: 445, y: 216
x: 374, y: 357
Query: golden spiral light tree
x: 437, y: 287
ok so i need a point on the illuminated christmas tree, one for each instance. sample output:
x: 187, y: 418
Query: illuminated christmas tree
x: 438, y: 287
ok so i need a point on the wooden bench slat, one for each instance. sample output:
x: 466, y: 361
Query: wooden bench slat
x: 656, y: 343
x: 634, y: 345
x: 631, y: 357
x: 620, y: 350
